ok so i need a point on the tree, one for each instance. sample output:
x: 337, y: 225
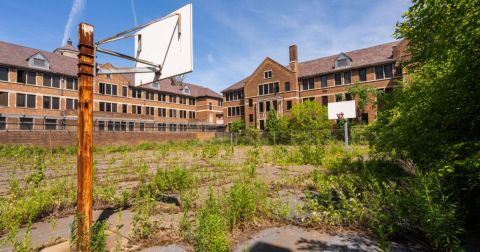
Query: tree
x: 309, y: 122
x: 278, y: 129
x: 434, y: 119
x: 237, y: 125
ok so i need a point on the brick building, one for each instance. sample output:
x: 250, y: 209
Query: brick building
x: 38, y: 90
x: 276, y: 86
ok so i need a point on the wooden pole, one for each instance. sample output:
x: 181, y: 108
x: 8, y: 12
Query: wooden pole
x: 86, y: 62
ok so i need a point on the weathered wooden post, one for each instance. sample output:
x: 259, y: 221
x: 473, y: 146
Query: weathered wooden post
x: 86, y: 62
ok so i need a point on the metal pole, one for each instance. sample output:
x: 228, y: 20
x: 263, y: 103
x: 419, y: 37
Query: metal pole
x: 86, y: 62
x: 346, y: 133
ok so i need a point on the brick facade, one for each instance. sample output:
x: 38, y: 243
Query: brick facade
x: 323, y: 80
x: 48, y: 97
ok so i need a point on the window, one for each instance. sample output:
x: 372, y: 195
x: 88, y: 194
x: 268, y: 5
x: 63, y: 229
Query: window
x: 136, y: 109
x: 250, y: 103
x: 110, y: 126
x: 287, y: 86
x: 308, y: 99
x: 117, y: 126
x: 26, y: 123
x: 101, y: 125
x: 365, y: 118
x: 362, y: 74
x: 173, y: 113
x: 50, y: 124
x: 308, y: 84
x: 260, y: 90
x: 124, y: 108
x: 71, y: 103
x: 24, y: 100
x: 31, y: 78
x: 162, y: 127
x: 210, y: 106
x: 323, y: 81
x: 39, y: 62
x: 136, y: 93
x: 150, y: 110
x: 108, y: 107
x: 47, y: 80
x: 325, y: 100
x: 131, y: 126
x: 3, y: 123
x: 51, y: 102
x: 398, y: 71
x: 3, y: 98
x: 379, y: 72
x: 124, y: 91
x: 142, y: 126
x: 250, y: 118
x: 56, y: 81
x: 220, y: 103
x: 173, y: 98
x: 183, y: 100
x: 342, y: 63
x: 183, y: 114
x: 72, y: 84
x: 260, y: 107
x: 267, y: 74
x: 338, y: 97
x: 4, y: 73
x: 347, y: 77
x: 262, y: 124
x: 21, y: 76
x: 275, y: 105
x: 123, y: 126
x: 338, y: 79
x: 388, y: 71
x: 289, y: 105
x: 173, y: 127
x: 191, y: 101
x: 162, y: 112
x: 348, y: 97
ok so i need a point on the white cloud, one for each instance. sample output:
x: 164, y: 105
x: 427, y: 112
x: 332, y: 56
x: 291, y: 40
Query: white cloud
x: 134, y: 13
x: 319, y: 28
x: 77, y: 7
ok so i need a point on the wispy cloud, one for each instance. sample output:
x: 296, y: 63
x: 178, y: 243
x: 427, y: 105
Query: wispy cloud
x: 319, y: 28
x: 77, y: 7
x: 134, y: 13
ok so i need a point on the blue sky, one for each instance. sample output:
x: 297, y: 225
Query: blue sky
x: 230, y: 37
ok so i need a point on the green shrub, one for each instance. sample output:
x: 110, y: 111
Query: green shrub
x: 176, y: 179
x: 244, y: 201
x: 98, y: 238
x: 211, y: 233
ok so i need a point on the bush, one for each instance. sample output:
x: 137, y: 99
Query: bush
x: 176, y: 179
x: 211, y: 234
x: 244, y: 201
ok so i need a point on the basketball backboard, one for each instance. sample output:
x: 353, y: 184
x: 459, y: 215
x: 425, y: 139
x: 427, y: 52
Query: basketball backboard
x: 168, y: 43
x: 163, y: 48
x: 346, y: 107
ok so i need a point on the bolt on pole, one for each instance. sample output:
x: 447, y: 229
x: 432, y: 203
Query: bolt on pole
x: 86, y: 62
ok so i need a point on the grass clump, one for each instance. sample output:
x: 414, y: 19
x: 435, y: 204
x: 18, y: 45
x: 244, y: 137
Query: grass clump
x: 244, y: 201
x: 176, y: 179
x: 211, y: 233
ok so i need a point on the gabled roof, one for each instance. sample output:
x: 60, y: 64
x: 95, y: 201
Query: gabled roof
x: 241, y: 83
x: 16, y: 55
x: 362, y: 57
x: 167, y: 86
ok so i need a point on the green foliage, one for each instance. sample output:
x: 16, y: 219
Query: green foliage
x: 98, y: 240
x: 375, y: 195
x: 237, y: 126
x: 244, y: 201
x: 38, y: 173
x: 309, y: 122
x: 434, y: 119
x: 176, y: 179
x: 364, y: 95
x: 211, y: 233
x: 142, y: 226
x: 210, y: 151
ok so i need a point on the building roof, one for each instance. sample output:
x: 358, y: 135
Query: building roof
x: 361, y: 57
x: 167, y: 86
x: 16, y: 55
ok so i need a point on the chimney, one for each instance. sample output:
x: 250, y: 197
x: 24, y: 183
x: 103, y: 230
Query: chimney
x: 69, y: 42
x: 293, y: 58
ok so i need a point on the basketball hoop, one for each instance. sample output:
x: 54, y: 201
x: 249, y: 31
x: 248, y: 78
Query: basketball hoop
x: 340, y: 116
x: 178, y: 80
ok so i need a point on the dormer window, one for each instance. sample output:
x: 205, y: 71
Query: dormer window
x: 267, y: 74
x: 186, y: 90
x: 38, y: 61
x: 342, y: 61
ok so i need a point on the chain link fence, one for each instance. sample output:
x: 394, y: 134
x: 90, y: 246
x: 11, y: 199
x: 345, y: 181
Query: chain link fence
x: 357, y: 135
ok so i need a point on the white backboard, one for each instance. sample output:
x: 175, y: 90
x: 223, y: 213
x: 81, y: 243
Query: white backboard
x: 167, y: 44
x: 346, y: 107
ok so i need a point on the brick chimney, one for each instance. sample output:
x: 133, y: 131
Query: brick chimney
x: 293, y: 58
